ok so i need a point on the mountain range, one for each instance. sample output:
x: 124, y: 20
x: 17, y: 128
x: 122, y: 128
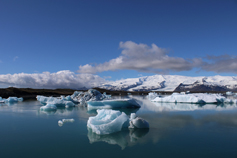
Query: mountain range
x: 174, y: 83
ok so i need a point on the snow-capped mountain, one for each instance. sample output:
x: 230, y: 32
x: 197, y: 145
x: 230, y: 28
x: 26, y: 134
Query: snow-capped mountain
x: 173, y: 83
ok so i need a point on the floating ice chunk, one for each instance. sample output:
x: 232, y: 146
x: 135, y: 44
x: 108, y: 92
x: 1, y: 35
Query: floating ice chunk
x: 61, y: 122
x: 76, y: 93
x: 116, y: 103
x: 90, y: 95
x: 137, y: 122
x: 152, y: 95
x: 106, y: 95
x: 199, y: 98
x: 133, y: 116
x: 68, y: 120
x: 48, y: 107
x: 107, y: 121
x: 20, y: 99
x: 179, y: 98
x: 10, y: 99
x: 229, y: 93
x: 52, y: 100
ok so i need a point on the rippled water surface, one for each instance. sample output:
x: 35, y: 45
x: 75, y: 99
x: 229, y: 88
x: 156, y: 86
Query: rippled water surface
x: 176, y: 130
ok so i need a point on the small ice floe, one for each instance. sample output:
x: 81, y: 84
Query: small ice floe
x: 116, y: 103
x: 229, y: 93
x: 152, y: 95
x: 61, y: 122
x: 107, y: 121
x: 137, y: 122
x: 10, y: 100
x: 58, y: 102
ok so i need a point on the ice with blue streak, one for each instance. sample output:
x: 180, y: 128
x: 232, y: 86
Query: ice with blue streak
x: 107, y: 121
x: 115, y: 103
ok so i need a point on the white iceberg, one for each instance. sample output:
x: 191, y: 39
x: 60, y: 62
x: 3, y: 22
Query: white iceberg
x: 107, y: 121
x: 49, y: 107
x: 229, y: 93
x: 56, y: 101
x: 137, y: 122
x: 178, y: 98
x: 116, y: 103
x: 197, y: 98
x: 152, y: 95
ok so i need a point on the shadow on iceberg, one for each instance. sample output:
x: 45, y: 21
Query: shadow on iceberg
x: 127, y: 111
x: 124, y: 138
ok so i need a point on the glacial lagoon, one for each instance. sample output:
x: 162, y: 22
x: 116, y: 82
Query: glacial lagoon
x: 176, y: 130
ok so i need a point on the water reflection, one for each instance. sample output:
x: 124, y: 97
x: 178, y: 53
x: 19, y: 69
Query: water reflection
x: 124, y: 138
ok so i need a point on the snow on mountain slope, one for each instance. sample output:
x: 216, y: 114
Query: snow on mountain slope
x: 169, y: 83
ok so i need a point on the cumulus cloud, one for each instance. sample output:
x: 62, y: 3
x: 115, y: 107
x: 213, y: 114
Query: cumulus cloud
x: 222, y: 63
x: 60, y: 79
x: 142, y: 58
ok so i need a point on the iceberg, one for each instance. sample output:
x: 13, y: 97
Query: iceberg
x: 196, y: 98
x: 116, y: 103
x: 53, y: 100
x: 152, y: 95
x: 229, y: 93
x: 107, y: 121
x: 111, y: 121
x: 10, y: 99
x: 90, y: 95
x: 49, y: 107
x: 137, y: 122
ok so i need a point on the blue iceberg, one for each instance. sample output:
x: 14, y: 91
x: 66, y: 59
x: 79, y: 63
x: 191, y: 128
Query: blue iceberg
x: 58, y: 102
x: 49, y: 107
x: 107, y: 121
x: 10, y: 100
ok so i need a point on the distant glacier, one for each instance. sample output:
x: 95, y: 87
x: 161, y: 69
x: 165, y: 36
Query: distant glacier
x: 174, y: 83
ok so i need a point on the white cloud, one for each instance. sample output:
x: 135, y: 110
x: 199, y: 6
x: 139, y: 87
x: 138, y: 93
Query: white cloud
x: 219, y: 64
x: 60, y: 79
x: 15, y: 58
x: 142, y: 58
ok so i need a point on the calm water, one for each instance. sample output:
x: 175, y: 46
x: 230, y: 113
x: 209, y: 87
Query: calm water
x: 180, y: 130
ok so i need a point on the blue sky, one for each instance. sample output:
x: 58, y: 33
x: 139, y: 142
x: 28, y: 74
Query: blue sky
x: 55, y: 35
